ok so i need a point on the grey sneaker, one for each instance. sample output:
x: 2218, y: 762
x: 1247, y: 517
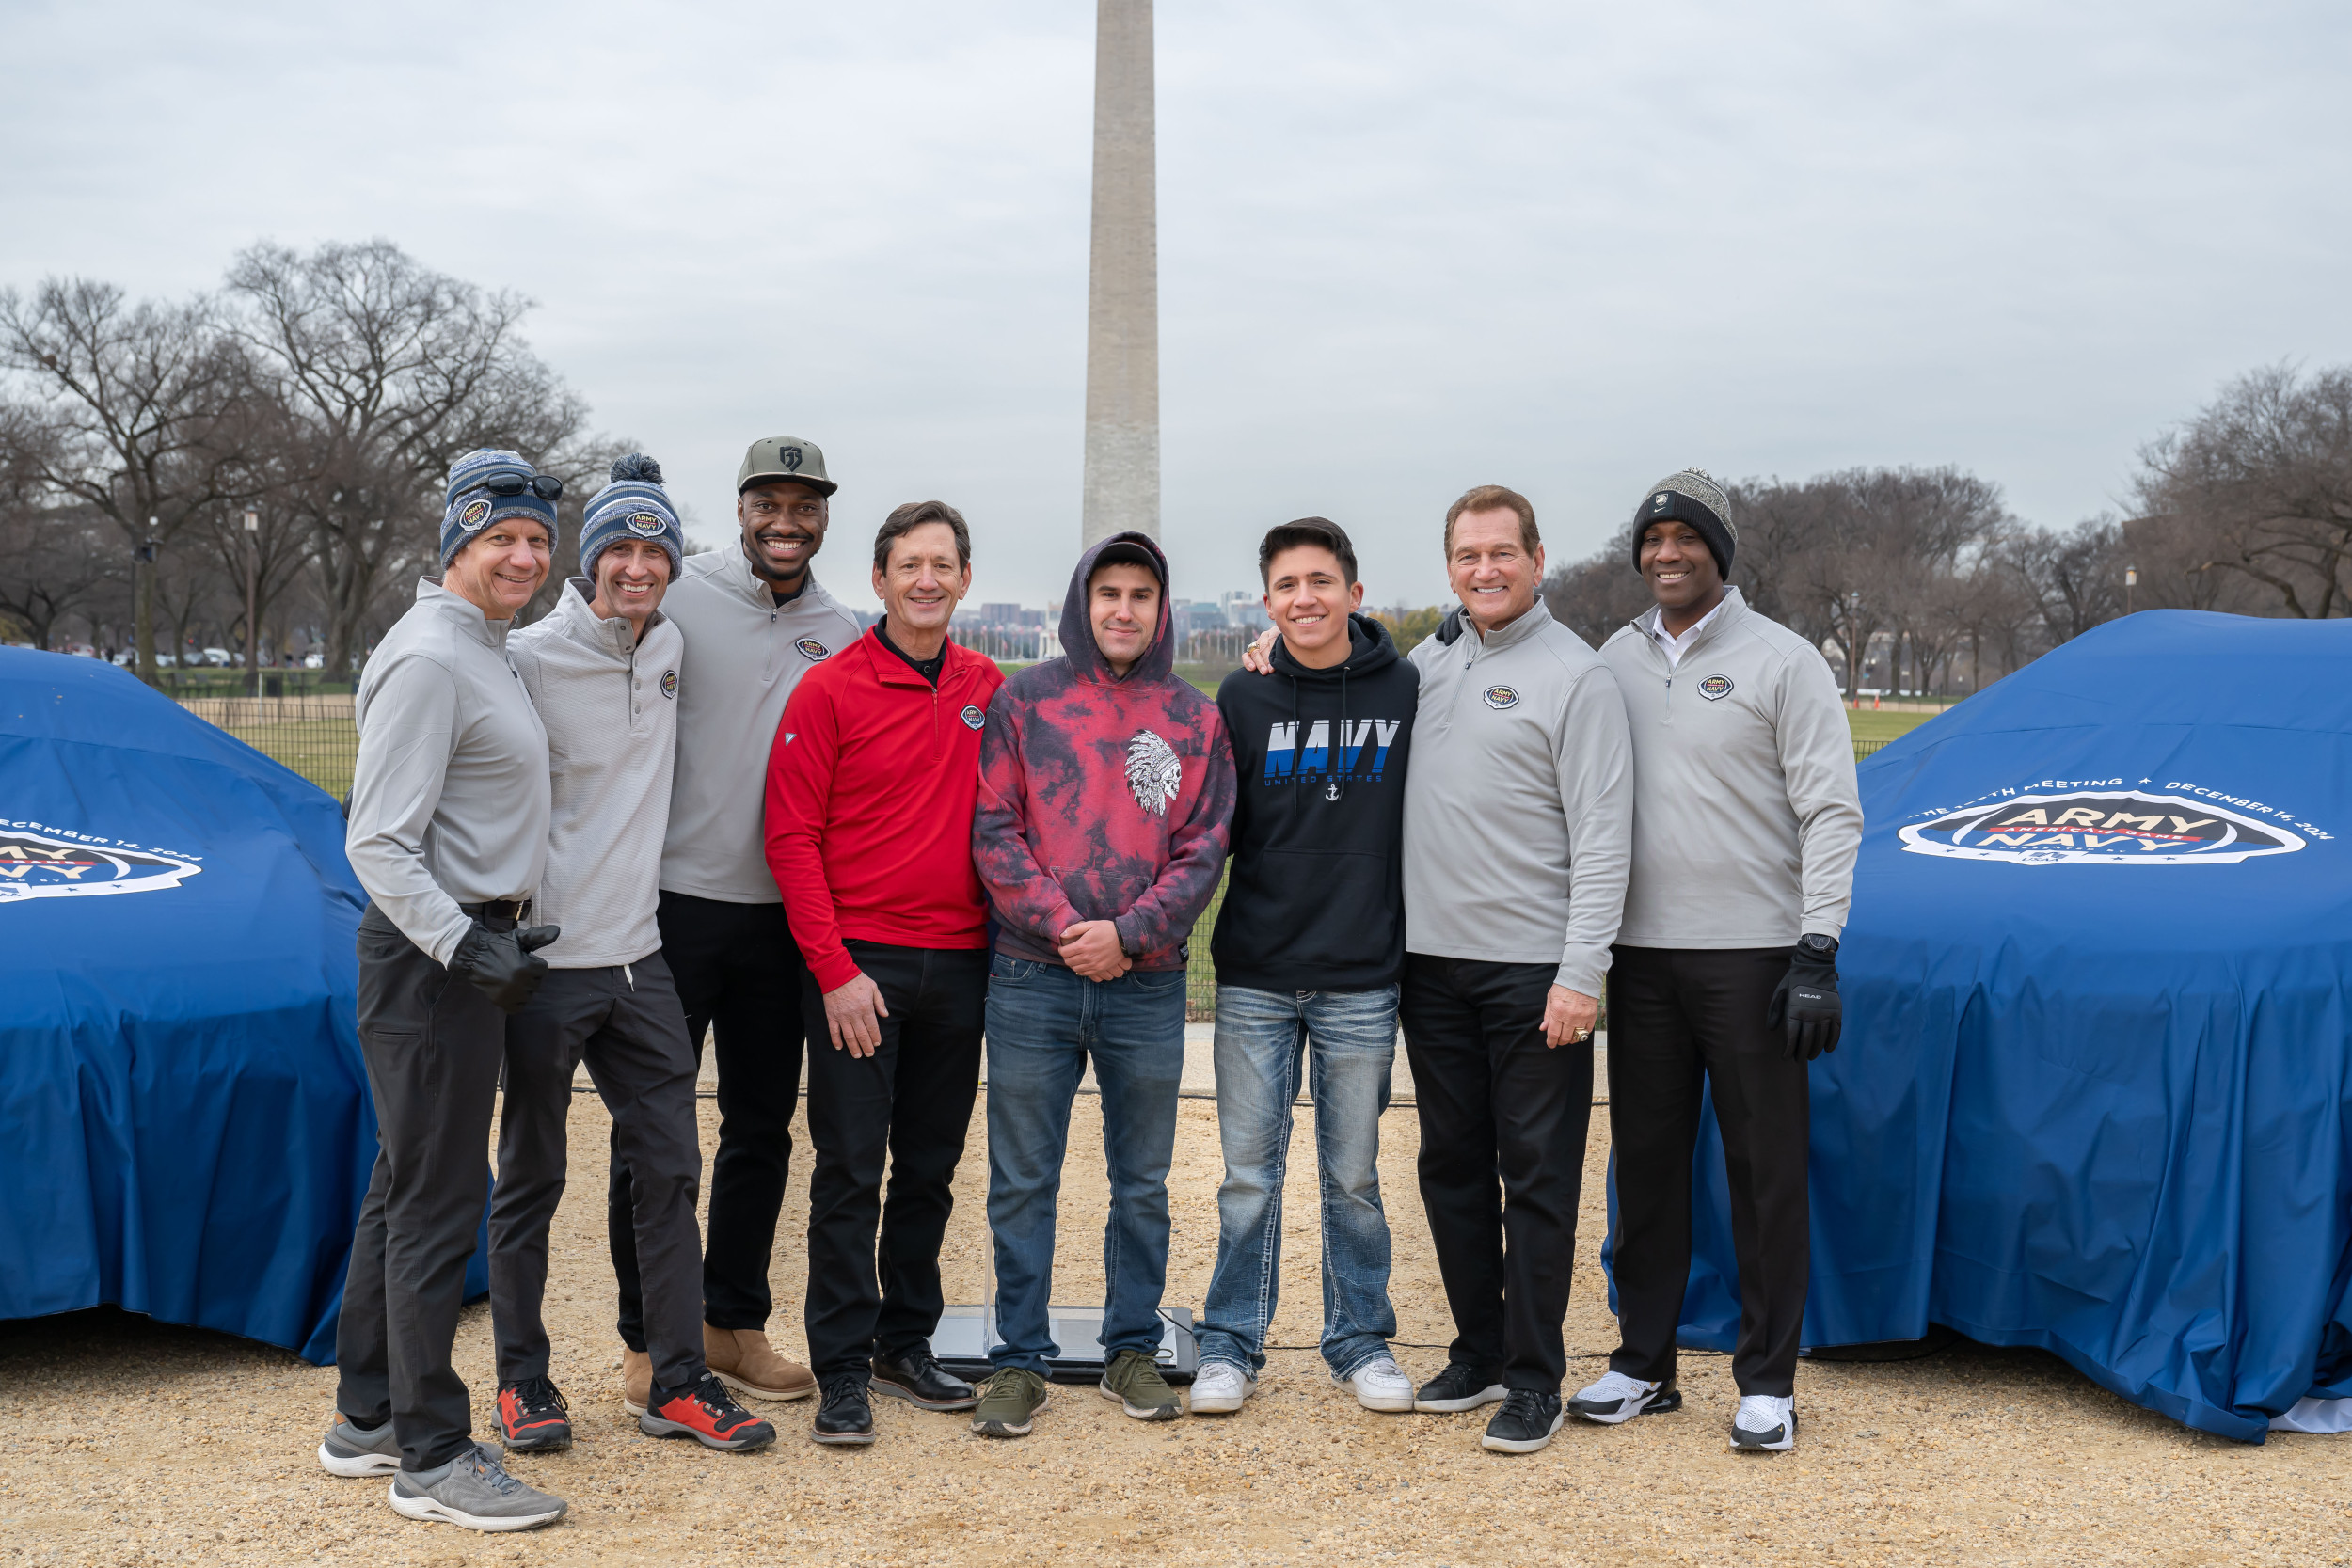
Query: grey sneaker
x: 352, y: 1450
x: 475, y: 1491
x: 1134, y: 1380
x: 1010, y: 1401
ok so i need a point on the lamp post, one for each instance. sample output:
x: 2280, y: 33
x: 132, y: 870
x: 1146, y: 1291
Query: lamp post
x: 252, y: 568
x: 2131, y: 580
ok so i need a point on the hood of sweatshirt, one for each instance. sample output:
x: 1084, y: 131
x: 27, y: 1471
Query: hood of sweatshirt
x: 1369, y: 648
x: 1077, y: 628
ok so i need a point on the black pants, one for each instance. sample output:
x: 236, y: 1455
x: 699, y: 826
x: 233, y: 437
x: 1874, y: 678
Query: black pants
x: 1497, y: 1104
x: 1676, y: 1015
x: 432, y: 1044
x: 739, y: 976
x: 624, y: 1022
x: 910, y: 1101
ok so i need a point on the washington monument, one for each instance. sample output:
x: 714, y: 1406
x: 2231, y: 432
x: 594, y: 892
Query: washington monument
x: 1122, y: 464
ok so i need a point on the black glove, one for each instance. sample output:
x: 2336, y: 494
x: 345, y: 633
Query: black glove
x: 505, y: 964
x: 1806, y: 1001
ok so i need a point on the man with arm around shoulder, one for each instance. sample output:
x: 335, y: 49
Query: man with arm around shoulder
x: 1308, y: 946
x: 1517, y: 814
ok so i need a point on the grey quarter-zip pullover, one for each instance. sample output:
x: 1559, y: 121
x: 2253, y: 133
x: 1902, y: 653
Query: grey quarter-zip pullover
x: 744, y: 654
x: 610, y: 705
x: 1519, y: 807
x: 449, y: 797
x: 1746, y: 818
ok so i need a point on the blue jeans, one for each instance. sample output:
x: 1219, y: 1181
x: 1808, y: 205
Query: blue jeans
x: 1349, y: 1041
x: 1043, y: 1023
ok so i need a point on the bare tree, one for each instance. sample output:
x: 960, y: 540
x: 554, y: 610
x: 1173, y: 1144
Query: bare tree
x: 146, y: 405
x: 2265, y: 472
x: 385, y: 372
x: 2074, y: 580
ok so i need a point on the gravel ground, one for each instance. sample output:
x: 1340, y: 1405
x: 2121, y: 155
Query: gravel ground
x: 128, y: 1443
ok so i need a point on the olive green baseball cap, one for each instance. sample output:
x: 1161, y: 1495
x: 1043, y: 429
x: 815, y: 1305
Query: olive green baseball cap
x: 776, y: 457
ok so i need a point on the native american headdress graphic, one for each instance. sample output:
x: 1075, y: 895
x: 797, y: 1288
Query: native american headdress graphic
x: 1154, y: 771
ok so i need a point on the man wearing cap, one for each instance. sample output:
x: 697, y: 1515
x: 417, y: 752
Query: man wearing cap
x: 602, y: 668
x: 754, y: 620
x: 449, y: 835
x: 1746, y: 823
x: 869, y: 830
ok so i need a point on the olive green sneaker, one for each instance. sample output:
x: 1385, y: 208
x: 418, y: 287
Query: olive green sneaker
x: 1134, y: 1380
x: 1010, y: 1401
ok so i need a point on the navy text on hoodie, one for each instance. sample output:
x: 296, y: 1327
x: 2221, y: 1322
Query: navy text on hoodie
x: 1315, y: 898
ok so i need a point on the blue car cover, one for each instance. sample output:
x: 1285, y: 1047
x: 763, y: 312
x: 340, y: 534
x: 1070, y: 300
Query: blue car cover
x: 2093, y: 1092
x: 188, y: 1127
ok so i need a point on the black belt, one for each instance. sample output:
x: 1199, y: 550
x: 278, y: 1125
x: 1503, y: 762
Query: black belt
x: 516, y: 909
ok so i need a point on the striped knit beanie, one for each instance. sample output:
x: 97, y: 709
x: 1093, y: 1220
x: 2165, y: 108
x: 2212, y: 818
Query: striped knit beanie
x: 469, y: 507
x: 1690, y: 496
x: 633, y: 506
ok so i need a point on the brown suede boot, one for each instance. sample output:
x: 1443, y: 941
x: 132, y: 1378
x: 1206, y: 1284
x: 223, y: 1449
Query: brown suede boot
x: 745, y: 1362
x: 636, y: 1380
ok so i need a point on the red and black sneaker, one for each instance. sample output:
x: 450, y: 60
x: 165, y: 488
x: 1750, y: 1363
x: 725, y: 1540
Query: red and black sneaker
x: 707, y: 1413
x: 531, y: 1416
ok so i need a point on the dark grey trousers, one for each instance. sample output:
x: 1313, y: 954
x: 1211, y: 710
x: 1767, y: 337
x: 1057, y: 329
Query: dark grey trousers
x: 432, y: 1044
x: 626, y: 1024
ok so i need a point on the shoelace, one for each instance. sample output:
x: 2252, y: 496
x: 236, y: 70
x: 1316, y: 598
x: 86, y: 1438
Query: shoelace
x: 1522, y: 1403
x: 539, y: 1396
x: 492, y: 1474
x: 842, y: 1384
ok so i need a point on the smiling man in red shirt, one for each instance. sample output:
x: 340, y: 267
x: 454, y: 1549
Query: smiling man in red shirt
x: 870, y: 791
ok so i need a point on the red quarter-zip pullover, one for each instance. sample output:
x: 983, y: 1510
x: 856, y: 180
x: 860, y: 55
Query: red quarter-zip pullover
x: 870, y: 790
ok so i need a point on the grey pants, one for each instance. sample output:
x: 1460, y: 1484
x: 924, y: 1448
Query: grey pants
x: 626, y: 1024
x: 432, y: 1044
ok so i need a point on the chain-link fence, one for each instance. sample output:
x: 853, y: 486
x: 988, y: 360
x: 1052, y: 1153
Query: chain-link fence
x: 317, y: 738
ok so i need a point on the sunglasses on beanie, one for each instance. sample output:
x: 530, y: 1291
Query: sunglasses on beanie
x: 546, y: 487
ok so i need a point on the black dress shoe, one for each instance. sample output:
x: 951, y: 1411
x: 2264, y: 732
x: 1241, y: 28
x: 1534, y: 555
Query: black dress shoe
x: 917, y: 1378
x: 844, y: 1417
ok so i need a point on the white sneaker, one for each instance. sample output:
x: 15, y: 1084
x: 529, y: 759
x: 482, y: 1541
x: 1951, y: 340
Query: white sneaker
x: 1218, y: 1388
x: 1618, y: 1398
x: 1767, y: 1423
x: 1380, y: 1384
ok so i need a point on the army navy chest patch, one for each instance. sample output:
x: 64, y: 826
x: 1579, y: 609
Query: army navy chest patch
x: 1501, y: 696
x: 972, y: 717
x: 669, y: 683
x: 812, y: 649
x: 1716, y: 687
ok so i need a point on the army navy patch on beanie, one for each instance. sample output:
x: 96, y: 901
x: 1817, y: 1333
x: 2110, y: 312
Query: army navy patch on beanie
x: 1690, y: 496
x: 473, y: 504
x: 633, y: 505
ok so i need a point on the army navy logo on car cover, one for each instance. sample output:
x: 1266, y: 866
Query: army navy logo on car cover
x: 1716, y: 687
x: 55, y: 864
x: 1501, y: 696
x: 643, y: 524
x: 475, y: 515
x: 811, y: 648
x: 669, y: 683
x: 2100, y: 825
x: 972, y: 717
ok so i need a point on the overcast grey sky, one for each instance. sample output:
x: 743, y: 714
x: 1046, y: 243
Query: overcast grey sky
x: 1404, y: 248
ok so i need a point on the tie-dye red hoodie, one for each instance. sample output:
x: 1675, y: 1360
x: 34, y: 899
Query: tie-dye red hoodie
x: 1101, y: 798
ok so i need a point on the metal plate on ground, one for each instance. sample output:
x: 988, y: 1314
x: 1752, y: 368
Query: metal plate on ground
x: 966, y: 1335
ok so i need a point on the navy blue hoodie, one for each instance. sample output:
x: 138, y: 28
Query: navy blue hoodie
x: 1316, y: 895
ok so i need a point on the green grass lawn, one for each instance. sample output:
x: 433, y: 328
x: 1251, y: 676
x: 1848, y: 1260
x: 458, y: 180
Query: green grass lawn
x: 1882, y: 725
x: 321, y: 750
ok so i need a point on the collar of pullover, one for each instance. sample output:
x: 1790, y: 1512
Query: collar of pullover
x: 1721, y: 617
x: 1485, y: 646
x: 736, y: 568
x: 581, y: 620
x: 462, y: 612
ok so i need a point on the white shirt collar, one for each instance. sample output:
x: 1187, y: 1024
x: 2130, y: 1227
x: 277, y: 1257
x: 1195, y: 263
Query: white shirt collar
x: 1676, y: 646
